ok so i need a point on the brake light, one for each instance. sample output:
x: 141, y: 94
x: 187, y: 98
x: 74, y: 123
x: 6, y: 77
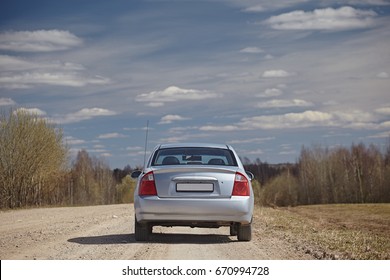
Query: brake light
x: 148, y: 185
x: 241, y: 185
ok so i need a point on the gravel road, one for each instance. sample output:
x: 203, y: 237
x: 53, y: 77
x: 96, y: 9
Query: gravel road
x: 106, y: 232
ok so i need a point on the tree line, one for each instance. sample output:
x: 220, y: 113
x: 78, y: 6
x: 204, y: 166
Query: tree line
x: 358, y: 174
x: 35, y: 171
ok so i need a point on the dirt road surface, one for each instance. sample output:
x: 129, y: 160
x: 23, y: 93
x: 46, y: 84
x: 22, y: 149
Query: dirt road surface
x: 106, y: 232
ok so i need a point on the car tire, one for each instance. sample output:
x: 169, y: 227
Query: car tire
x: 233, y: 230
x: 244, y: 232
x: 141, y: 231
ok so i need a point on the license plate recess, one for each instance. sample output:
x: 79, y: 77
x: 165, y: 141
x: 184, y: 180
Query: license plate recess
x: 194, y: 187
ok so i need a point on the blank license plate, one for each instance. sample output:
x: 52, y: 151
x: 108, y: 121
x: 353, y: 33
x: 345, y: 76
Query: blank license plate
x: 194, y: 187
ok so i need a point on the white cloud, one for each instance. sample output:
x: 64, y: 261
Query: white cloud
x: 383, y: 110
x: 220, y: 128
x: 270, y: 92
x: 155, y: 104
x: 384, y: 125
x: 253, y: 50
x: 383, y: 75
x: 84, y: 114
x: 14, y: 63
x: 330, y: 19
x: 38, y: 41
x: 276, y: 74
x: 251, y: 140
x: 385, y: 134
x: 27, y: 80
x: 10, y: 63
x: 254, y: 9
x: 6, y: 101
x: 174, y: 94
x: 111, y: 135
x: 98, y: 150
x: 258, y: 6
x: 70, y: 140
x: 19, y: 73
x: 93, y: 112
x: 290, y: 120
x: 369, y: 2
x: 33, y: 111
x: 354, y: 119
x: 280, y: 103
x: 174, y: 139
x: 182, y: 130
x: 171, y: 118
x: 251, y: 152
x: 288, y: 152
x: 269, y: 57
x: 348, y: 119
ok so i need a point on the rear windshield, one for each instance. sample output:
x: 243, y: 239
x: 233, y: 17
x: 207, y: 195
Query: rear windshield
x: 196, y: 156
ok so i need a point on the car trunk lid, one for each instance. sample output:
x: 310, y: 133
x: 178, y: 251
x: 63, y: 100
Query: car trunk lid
x: 194, y: 182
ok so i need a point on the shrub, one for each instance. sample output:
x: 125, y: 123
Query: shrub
x: 280, y: 191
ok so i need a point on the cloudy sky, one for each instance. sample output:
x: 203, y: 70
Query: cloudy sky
x: 264, y: 76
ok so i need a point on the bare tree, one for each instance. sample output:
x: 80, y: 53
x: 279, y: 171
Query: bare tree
x: 341, y: 175
x: 92, y: 181
x: 32, y: 153
x: 82, y: 179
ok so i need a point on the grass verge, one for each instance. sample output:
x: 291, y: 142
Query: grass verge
x: 342, y: 231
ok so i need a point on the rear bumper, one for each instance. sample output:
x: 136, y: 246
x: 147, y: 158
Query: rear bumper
x: 176, y: 211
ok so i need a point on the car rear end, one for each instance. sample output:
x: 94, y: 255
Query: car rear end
x: 194, y: 185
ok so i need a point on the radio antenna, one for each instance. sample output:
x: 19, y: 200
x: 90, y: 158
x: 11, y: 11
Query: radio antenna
x: 146, y: 141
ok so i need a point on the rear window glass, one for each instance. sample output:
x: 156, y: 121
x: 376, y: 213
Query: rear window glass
x: 195, y: 156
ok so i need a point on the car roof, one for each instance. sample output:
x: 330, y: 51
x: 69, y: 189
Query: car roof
x: 193, y: 145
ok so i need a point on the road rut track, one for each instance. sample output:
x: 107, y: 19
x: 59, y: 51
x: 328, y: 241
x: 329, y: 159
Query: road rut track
x: 107, y: 232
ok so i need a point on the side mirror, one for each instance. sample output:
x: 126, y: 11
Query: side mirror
x: 250, y: 174
x: 135, y: 174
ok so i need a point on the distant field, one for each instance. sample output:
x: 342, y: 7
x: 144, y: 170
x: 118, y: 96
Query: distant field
x: 342, y: 231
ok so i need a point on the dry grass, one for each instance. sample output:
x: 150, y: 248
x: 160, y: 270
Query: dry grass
x: 348, y: 231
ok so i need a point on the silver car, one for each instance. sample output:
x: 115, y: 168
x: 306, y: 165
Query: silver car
x: 195, y: 185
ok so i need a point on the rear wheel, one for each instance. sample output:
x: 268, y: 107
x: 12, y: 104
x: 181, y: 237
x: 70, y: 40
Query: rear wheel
x: 244, y: 232
x: 233, y: 229
x: 141, y: 231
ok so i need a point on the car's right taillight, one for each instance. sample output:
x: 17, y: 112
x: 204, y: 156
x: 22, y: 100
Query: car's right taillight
x: 147, y: 185
x: 241, y: 185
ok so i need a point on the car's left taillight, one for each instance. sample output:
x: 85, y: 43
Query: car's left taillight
x: 241, y: 185
x: 147, y: 185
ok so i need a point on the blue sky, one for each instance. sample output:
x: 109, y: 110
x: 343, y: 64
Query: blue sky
x: 264, y: 76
